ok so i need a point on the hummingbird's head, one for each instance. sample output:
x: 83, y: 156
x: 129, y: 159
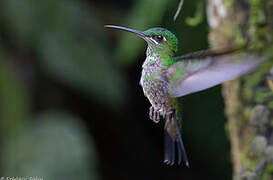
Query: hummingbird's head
x: 158, y: 39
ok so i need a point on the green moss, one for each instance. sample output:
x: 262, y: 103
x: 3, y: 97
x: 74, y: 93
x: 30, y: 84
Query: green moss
x: 232, y: 30
x: 256, y: 31
x: 252, y: 81
x: 248, y: 93
x: 229, y: 4
x: 239, y: 40
x: 247, y: 111
x: 271, y: 123
x: 270, y: 104
x: 262, y: 96
x: 267, y: 175
x: 257, y: 15
x: 249, y: 163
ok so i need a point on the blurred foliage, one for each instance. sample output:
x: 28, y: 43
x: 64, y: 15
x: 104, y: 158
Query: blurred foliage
x: 144, y: 15
x: 55, y: 146
x: 15, y: 99
x: 67, y: 38
x: 198, y: 16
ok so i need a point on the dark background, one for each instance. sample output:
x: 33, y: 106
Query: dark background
x: 71, y: 106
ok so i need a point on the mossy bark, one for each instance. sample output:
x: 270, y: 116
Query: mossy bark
x: 248, y: 100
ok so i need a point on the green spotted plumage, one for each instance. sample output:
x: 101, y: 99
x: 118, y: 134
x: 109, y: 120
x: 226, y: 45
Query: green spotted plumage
x: 165, y: 77
x: 156, y: 89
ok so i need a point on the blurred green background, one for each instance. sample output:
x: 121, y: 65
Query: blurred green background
x: 71, y: 106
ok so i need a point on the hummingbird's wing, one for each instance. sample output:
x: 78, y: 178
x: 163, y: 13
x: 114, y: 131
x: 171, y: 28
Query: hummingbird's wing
x: 199, y: 71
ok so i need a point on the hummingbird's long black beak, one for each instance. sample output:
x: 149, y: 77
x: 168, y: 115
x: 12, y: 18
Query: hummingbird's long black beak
x: 139, y: 33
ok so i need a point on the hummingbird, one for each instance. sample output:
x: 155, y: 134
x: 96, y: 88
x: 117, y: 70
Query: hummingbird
x: 165, y: 77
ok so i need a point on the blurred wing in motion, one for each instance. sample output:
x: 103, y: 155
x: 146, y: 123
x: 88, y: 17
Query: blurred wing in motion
x: 190, y: 74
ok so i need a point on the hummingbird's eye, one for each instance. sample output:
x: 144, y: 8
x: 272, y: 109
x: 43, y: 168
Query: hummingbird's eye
x: 158, y: 38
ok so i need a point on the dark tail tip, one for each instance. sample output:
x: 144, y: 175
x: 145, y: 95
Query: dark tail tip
x: 172, y: 148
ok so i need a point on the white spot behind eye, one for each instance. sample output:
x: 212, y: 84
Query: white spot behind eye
x: 154, y: 41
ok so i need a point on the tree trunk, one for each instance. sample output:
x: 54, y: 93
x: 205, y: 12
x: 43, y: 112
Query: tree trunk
x: 248, y: 100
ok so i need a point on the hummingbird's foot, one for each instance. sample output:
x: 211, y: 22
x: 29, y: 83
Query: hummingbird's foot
x: 167, y: 114
x: 154, y: 115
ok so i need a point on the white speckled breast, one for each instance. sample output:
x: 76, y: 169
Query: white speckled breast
x: 153, y: 82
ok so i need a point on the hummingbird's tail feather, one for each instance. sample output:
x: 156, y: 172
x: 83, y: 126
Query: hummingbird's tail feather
x: 174, y: 146
x: 181, y: 149
x: 169, y: 150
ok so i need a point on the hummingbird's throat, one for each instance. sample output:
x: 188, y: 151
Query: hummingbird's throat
x: 159, y: 51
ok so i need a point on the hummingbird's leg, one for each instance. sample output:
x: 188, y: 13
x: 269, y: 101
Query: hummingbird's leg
x: 157, y: 115
x: 154, y: 115
x: 151, y: 112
